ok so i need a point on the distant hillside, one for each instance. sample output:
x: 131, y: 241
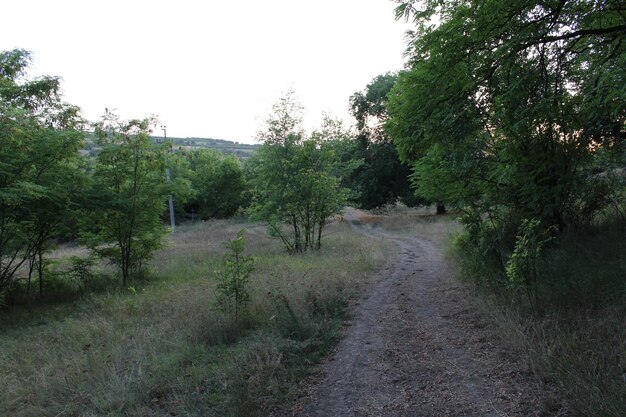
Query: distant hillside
x: 241, y: 150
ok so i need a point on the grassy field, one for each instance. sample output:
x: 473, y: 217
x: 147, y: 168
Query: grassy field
x: 162, y: 348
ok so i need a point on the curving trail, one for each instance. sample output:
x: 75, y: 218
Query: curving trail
x: 416, y: 347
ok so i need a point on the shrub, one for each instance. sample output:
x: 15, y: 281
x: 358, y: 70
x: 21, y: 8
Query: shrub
x: 233, y: 296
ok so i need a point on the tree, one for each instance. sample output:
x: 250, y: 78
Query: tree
x: 381, y: 178
x: 218, y: 182
x: 342, y: 144
x: 509, y: 104
x: 129, y: 195
x: 232, y: 279
x: 292, y: 181
x: 369, y: 108
x: 48, y: 215
x: 40, y: 136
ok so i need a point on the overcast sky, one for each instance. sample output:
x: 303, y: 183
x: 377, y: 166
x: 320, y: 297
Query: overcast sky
x: 207, y: 68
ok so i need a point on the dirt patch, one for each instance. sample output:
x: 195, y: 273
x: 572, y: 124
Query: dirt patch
x: 418, y: 347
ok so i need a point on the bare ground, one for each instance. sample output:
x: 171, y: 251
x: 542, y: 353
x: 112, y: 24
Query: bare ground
x: 418, y: 347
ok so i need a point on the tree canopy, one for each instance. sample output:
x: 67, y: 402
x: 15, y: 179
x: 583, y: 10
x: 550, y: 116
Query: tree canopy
x: 510, y: 110
x: 381, y: 178
x: 293, y: 187
x: 512, y: 97
x: 40, y: 136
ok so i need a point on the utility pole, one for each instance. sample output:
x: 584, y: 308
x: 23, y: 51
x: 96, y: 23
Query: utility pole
x: 169, y: 180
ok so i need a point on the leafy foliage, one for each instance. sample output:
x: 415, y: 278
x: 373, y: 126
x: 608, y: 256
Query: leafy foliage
x: 510, y: 111
x: 233, y: 296
x: 218, y: 182
x: 123, y: 219
x: 40, y: 136
x: 369, y: 107
x: 292, y: 180
x: 522, y: 268
x: 82, y: 269
x: 381, y: 178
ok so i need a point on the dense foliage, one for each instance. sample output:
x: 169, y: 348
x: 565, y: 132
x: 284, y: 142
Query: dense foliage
x: 514, y: 113
x: 381, y: 178
x: 40, y: 136
x: 293, y: 187
x: 218, y: 183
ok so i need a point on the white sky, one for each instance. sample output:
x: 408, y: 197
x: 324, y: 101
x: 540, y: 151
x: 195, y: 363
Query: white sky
x: 207, y: 68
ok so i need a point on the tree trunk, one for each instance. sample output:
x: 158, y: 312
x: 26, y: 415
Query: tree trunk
x: 40, y: 270
x: 31, y: 268
x: 441, y: 209
x: 296, y: 234
x: 319, y: 235
x: 125, y: 266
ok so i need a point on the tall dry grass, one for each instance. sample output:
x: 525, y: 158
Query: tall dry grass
x: 578, y: 342
x: 161, y: 348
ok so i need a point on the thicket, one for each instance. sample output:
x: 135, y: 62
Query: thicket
x: 218, y: 182
x: 513, y: 113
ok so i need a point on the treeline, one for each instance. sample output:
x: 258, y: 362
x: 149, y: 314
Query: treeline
x: 113, y: 200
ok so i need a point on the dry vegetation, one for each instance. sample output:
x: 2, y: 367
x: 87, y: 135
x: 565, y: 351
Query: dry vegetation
x: 161, y: 348
x: 421, y: 221
x: 577, y: 342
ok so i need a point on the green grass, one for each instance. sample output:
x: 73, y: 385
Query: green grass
x: 166, y: 350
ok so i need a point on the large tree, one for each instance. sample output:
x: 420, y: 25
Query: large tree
x: 506, y: 108
x: 381, y: 178
x: 40, y: 136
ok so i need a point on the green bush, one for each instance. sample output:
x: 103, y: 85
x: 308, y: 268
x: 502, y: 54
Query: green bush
x: 233, y: 296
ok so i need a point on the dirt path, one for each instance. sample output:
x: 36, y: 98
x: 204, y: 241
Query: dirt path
x: 416, y: 347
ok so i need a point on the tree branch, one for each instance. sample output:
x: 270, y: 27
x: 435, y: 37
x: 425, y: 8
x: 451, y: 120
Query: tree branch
x: 570, y: 35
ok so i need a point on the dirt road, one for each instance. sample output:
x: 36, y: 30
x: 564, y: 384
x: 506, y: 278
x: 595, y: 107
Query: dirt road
x: 417, y: 347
